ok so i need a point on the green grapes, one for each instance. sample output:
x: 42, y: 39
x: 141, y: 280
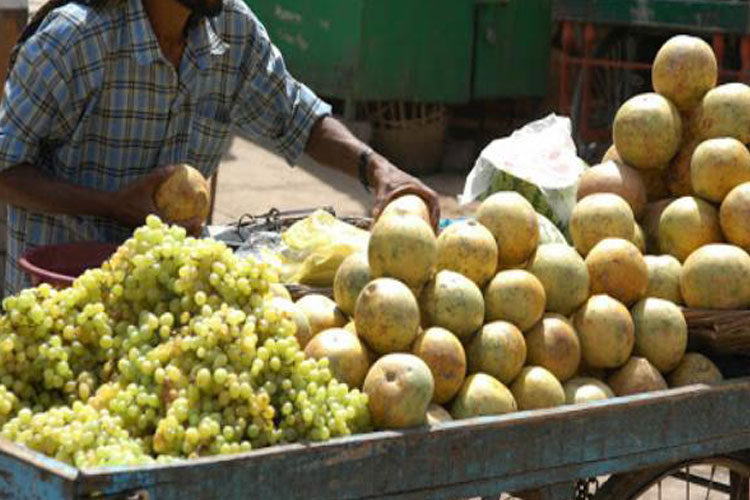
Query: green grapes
x: 170, y: 350
x: 80, y: 435
x: 9, y: 404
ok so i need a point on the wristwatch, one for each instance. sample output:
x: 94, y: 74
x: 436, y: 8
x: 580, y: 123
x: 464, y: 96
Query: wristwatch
x: 364, y: 160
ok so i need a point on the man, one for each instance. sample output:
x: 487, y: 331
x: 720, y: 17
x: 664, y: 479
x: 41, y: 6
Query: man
x: 103, y: 96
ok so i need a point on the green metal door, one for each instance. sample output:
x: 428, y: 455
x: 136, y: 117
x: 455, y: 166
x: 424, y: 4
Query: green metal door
x: 512, y: 48
x: 320, y: 40
x: 419, y: 50
x: 416, y: 50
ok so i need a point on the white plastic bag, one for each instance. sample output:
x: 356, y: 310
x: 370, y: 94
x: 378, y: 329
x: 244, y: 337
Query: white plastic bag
x: 539, y: 161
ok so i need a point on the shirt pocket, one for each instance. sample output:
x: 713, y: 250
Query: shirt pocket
x: 210, y: 138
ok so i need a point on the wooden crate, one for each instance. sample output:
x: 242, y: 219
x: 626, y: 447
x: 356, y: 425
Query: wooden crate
x: 719, y: 332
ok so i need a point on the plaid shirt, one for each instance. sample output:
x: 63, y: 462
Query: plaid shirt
x: 93, y: 101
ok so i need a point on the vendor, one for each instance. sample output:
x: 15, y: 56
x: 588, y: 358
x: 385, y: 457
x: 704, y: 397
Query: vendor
x: 104, y: 95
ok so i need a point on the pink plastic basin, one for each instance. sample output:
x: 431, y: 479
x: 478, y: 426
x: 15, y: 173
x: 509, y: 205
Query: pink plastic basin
x: 60, y: 265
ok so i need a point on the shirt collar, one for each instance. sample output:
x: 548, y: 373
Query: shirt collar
x: 202, y: 39
x: 205, y: 42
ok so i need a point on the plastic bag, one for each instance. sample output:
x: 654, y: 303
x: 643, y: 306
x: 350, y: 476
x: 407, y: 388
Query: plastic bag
x: 539, y: 161
x: 549, y: 233
x: 315, y: 247
x: 263, y: 246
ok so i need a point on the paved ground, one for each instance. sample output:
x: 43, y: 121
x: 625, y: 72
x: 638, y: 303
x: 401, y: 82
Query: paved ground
x: 252, y: 180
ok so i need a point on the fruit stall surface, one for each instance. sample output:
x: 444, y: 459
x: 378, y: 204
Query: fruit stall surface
x: 436, y: 50
x: 482, y: 456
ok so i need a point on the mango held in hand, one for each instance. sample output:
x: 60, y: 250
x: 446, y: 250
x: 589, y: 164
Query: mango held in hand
x: 409, y: 204
x: 400, y: 388
x: 184, y: 195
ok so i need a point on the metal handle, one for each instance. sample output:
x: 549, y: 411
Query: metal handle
x: 274, y: 217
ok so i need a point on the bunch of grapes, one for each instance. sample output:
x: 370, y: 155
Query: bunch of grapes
x: 175, y: 343
x: 8, y: 404
x: 79, y: 435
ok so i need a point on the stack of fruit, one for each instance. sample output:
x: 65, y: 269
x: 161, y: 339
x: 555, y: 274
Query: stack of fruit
x: 483, y: 320
x: 688, y: 140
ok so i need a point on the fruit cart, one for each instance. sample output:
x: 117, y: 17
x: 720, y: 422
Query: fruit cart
x: 607, y: 48
x: 658, y: 434
x: 689, y: 439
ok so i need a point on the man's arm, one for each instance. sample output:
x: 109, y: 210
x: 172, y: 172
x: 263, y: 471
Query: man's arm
x: 273, y: 105
x: 31, y: 188
x: 333, y: 145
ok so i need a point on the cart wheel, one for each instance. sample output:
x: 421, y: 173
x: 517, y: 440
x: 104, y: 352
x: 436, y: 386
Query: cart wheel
x: 716, y: 478
x: 608, y: 88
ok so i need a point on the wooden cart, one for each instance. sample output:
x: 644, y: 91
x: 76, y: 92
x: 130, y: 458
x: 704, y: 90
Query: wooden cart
x: 641, y: 438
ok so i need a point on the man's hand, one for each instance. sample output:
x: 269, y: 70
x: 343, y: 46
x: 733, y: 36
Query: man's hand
x: 133, y: 203
x: 331, y: 144
x: 390, y: 183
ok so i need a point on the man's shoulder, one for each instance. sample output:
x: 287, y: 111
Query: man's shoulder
x: 75, y: 24
x: 237, y: 9
x: 236, y: 21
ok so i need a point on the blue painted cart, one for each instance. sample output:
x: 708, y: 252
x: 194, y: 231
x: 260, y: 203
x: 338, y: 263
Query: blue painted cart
x: 544, y: 450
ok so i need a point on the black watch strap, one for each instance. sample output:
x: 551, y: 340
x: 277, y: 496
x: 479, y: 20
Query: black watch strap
x: 364, y: 160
